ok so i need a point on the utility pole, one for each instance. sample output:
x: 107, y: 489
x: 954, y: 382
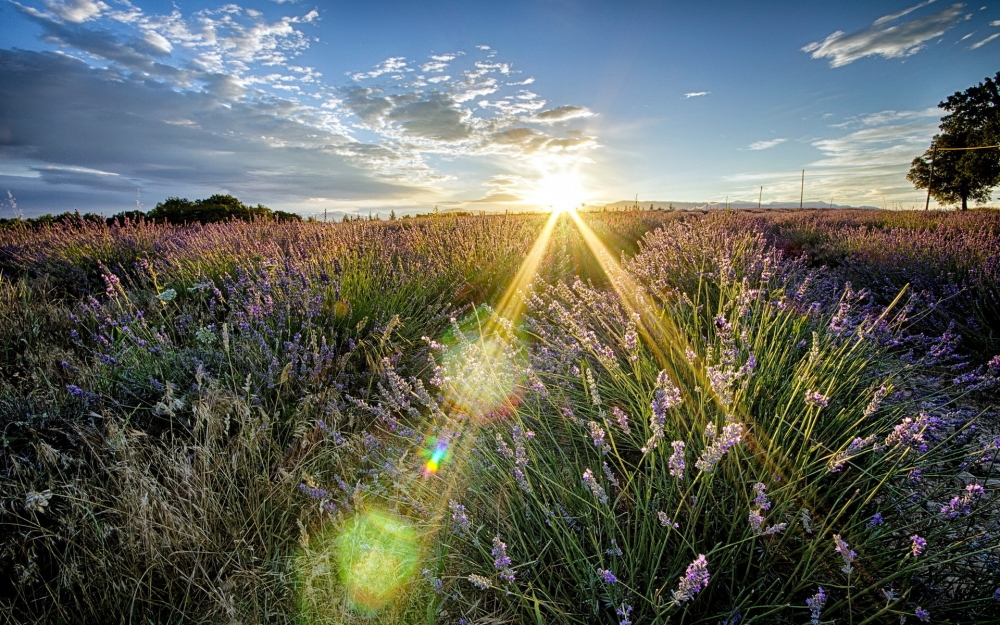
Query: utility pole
x: 802, y: 188
x: 759, y: 196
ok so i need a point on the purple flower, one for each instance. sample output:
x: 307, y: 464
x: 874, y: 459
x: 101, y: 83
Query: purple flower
x: 923, y: 615
x: 621, y: 418
x: 815, y: 604
x: 666, y: 521
x: 695, y: 579
x: 917, y: 545
x: 501, y: 561
x: 760, y: 496
x: 597, y: 435
x: 607, y: 576
x: 676, y: 461
x: 875, y: 520
x: 624, y: 612
x: 591, y: 483
x: 73, y: 389
x: 814, y: 398
x: 459, y: 516
x: 665, y: 397
x: 732, y: 435
x: 845, y: 552
x: 962, y: 504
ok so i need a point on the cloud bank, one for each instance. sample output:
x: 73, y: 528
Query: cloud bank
x: 217, y: 100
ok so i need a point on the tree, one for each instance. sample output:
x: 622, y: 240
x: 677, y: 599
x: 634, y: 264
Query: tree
x: 213, y: 209
x: 951, y: 171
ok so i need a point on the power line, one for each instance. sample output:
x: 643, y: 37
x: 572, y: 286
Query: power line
x: 930, y: 177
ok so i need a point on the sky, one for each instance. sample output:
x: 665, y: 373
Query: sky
x: 371, y: 107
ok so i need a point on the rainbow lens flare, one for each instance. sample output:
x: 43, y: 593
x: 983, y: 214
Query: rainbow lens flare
x: 437, y: 454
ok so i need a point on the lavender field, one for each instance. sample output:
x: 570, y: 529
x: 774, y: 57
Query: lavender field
x: 620, y: 417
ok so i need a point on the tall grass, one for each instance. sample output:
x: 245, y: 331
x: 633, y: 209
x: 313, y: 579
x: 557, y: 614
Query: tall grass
x: 196, y: 417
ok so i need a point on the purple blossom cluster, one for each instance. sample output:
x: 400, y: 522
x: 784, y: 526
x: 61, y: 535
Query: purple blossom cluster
x: 676, y: 461
x: 501, y: 561
x: 732, y: 435
x: 815, y: 604
x: 594, y: 487
x: 695, y: 580
x: 845, y: 552
x: 961, y: 505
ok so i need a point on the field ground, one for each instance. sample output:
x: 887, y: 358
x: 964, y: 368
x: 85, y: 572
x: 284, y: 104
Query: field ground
x: 625, y: 417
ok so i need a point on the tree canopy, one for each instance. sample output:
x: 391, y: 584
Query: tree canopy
x: 213, y: 209
x: 954, y: 173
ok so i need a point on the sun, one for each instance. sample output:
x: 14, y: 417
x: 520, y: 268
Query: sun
x: 559, y: 192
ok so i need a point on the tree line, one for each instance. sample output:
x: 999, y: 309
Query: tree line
x: 173, y: 210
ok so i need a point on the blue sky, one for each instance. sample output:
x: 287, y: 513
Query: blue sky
x: 384, y: 106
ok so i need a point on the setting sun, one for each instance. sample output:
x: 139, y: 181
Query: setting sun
x: 559, y: 192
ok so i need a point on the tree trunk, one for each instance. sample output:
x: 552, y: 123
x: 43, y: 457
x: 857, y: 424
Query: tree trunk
x: 965, y: 203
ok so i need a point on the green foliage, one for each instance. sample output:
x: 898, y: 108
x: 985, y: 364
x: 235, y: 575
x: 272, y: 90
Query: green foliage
x: 954, y: 175
x: 213, y: 209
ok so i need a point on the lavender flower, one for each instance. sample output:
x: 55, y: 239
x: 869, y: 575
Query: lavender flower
x: 845, y: 552
x: 459, y: 516
x: 665, y: 397
x: 695, y: 579
x: 501, y: 561
x: 962, y: 504
x: 756, y: 520
x: 676, y: 461
x: 875, y: 520
x: 836, y: 463
x: 814, y: 398
x: 815, y: 604
x: 435, y: 582
x: 597, y: 435
x: 923, y: 615
x: 666, y: 521
x: 911, y: 433
x: 732, y: 435
x: 623, y: 612
x: 760, y: 496
x: 621, y: 419
x: 480, y: 582
x: 607, y: 576
x: 591, y: 483
x: 917, y: 545
x: 73, y: 389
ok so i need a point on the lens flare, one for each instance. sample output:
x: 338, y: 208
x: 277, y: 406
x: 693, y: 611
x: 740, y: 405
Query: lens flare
x: 362, y: 566
x: 483, y: 367
x: 377, y: 553
x: 437, y: 454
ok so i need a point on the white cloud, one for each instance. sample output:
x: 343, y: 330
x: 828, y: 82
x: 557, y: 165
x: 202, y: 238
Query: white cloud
x: 695, y: 94
x: 562, y: 113
x: 982, y: 43
x: 897, y: 41
x: 76, y: 11
x: 763, y: 145
x: 220, y: 100
x: 388, y: 66
x: 995, y: 23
